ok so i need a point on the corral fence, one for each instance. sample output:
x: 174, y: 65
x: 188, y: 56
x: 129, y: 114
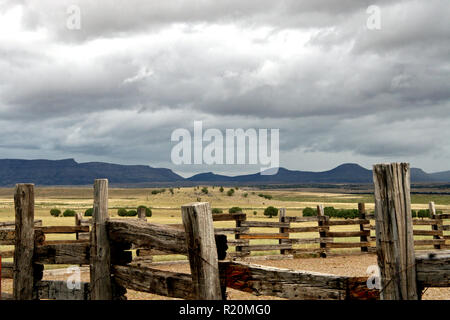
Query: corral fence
x: 297, y: 235
x: 112, y: 271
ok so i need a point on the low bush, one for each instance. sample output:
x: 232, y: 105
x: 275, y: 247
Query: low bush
x: 55, y: 212
x: 88, y: 212
x: 216, y: 210
x: 131, y: 213
x: 333, y: 213
x: 234, y: 210
x: 157, y: 191
x: 69, y: 213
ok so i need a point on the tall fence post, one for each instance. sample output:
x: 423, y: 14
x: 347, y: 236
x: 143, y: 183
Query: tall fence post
x: 78, y: 218
x: 394, y: 231
x: 24, y: 242
x: 100, y: 272
x: 323, y: 228
x: 362, y: 216
x: 438, y: 225
x: 141, y: 214
x: 237, y: 236
x: 202, y: 250
x: 282, y: 218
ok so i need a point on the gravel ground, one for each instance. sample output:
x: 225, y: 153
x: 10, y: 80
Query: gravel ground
x: 342, y: 265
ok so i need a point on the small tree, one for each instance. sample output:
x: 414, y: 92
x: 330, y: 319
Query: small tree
x: 55, y: 212
x: 255, y: 213
x: 221, y: 189
x: 205, y: 190
x: 234, y: 210
x: 171, y: 191
x: 271, y: 212
x: 245, y: 195
x: 69, y: 213
x: 230, y: 192
x: 88, y: 212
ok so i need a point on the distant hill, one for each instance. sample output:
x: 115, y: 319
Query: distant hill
x: 70, y: 172
x: 345, y: 173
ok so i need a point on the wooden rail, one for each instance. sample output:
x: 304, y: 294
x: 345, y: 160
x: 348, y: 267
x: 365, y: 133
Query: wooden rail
x: 284, y: 283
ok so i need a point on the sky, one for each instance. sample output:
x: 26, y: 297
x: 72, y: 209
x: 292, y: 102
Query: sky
x: 112, y: 83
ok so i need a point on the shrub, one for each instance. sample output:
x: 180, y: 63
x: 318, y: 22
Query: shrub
x: 423, y: 213
x: 171, y: 191
x: 131, y: 213
x: 255, y: 213
x: 309, y: 212
x: 69, y: 213
x: 245, y: 195
x: 88, y: 212
x: 332, y: 212
x: 265, y: 196
x: 271, y: 212
x: 230, y: 192
x: 158, y: 191
x: 205, y: 190
x: 221, y: 189
x: 234, y: 210
x: 55, y: 212
x: 122, y: 212
x: 216, y: 210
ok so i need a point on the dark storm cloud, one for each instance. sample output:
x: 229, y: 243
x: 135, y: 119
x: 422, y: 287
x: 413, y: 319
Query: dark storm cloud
x: 117, y: 88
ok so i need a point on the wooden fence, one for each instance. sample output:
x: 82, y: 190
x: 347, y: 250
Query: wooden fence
x: 112, y: 271
x: 321, y: 234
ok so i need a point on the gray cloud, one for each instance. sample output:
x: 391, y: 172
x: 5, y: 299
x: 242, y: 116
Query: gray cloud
x: 117, y: 88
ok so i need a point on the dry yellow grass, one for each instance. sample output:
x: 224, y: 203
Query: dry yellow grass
x: 166, y: 210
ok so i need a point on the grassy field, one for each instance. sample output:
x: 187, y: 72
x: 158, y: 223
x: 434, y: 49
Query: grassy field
x: 166, y: 206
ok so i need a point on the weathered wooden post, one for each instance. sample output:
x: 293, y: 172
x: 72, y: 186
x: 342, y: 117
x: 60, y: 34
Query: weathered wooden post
x: 282, y: 218
x: 100, y: 264
x: 322, y: 223
x: 202, y: 250
x: 436, y: 227
x: 237, y: 236
x: 78, y: 218
x: 362, y: 216
x: 394, y: 232
x: 141, y: 214
x: 24, y: 242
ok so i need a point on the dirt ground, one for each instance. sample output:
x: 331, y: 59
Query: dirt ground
x: 342, y: 265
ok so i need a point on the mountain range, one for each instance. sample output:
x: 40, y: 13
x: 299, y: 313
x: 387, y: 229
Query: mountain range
x: 70, y: 172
